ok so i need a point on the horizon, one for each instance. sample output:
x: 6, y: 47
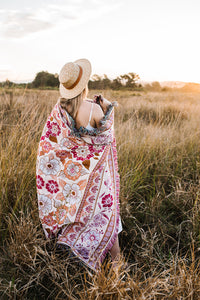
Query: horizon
x: 26, y: 81
x: 175, y: 83
x: 158, y: 41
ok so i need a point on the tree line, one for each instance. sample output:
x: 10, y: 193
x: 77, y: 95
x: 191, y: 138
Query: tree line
x: 47, y: 80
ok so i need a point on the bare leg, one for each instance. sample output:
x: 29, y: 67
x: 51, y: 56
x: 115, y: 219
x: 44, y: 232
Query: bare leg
x: 115, y: 251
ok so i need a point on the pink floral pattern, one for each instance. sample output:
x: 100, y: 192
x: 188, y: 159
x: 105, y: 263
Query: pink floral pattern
x: 49, y: 166
x: 67, y: 144
x: 46, y: 146
x: 45, y: 204
x: 72, y: 193
x: 99, y: 220
x: 82, y: 152
x: 107, y: 200
x: 52, y: 186
x: 53, y: 129
x: 91, y: 238
x: 78, y: 187
x: 102, y: 139
x: 39, y: 182
x: 96, y: 148
x: 72, y: 170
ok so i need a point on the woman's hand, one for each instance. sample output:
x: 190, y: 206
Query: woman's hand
x: 104, y: 103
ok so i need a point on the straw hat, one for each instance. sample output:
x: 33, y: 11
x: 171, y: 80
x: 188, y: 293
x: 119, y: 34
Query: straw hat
x: 74, y: 77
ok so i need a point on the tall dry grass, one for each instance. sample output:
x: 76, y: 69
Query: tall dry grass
x: 159, y: 164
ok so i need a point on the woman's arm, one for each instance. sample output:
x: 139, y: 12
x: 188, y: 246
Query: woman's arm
x: 98, y: 115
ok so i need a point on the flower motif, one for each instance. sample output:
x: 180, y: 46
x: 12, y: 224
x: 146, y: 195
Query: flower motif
x: 82, y: 152
x: 53, y: 129
x: 49, y: 166
x: 39, y: 182
x: 101, y: 139
x: 45, y: 204
x: 67, y: 143
x: 98, y: 220
x: 91, y: 238
x: 107, y: 200
x: 52, y: 186
x: 48, y: 220
x: 72, y: 193
x: 46, y: 146
x: 72, y: 170
x: 96, y: 148
x: 62, y: 154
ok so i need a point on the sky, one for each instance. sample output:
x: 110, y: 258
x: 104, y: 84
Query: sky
x: 156, y: 39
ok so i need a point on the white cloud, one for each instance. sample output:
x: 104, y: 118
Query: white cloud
x: 20, y: 23
x: 16, y: 23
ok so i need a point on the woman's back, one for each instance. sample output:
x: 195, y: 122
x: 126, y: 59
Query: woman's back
x: 88, y: 115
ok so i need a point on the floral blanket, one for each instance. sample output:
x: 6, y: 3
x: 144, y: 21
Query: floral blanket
x: 78, y: 185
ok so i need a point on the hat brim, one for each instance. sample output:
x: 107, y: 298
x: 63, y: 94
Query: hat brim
x: 87, y: 69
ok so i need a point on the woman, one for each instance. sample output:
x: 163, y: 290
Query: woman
x: 77, y: 175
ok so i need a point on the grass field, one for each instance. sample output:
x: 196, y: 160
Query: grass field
x: 159, y: 163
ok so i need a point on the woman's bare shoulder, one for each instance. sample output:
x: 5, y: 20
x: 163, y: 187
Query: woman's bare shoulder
x: 97, y: 108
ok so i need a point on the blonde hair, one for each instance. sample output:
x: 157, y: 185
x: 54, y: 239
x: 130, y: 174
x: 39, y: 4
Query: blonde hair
x: 72, y: 105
